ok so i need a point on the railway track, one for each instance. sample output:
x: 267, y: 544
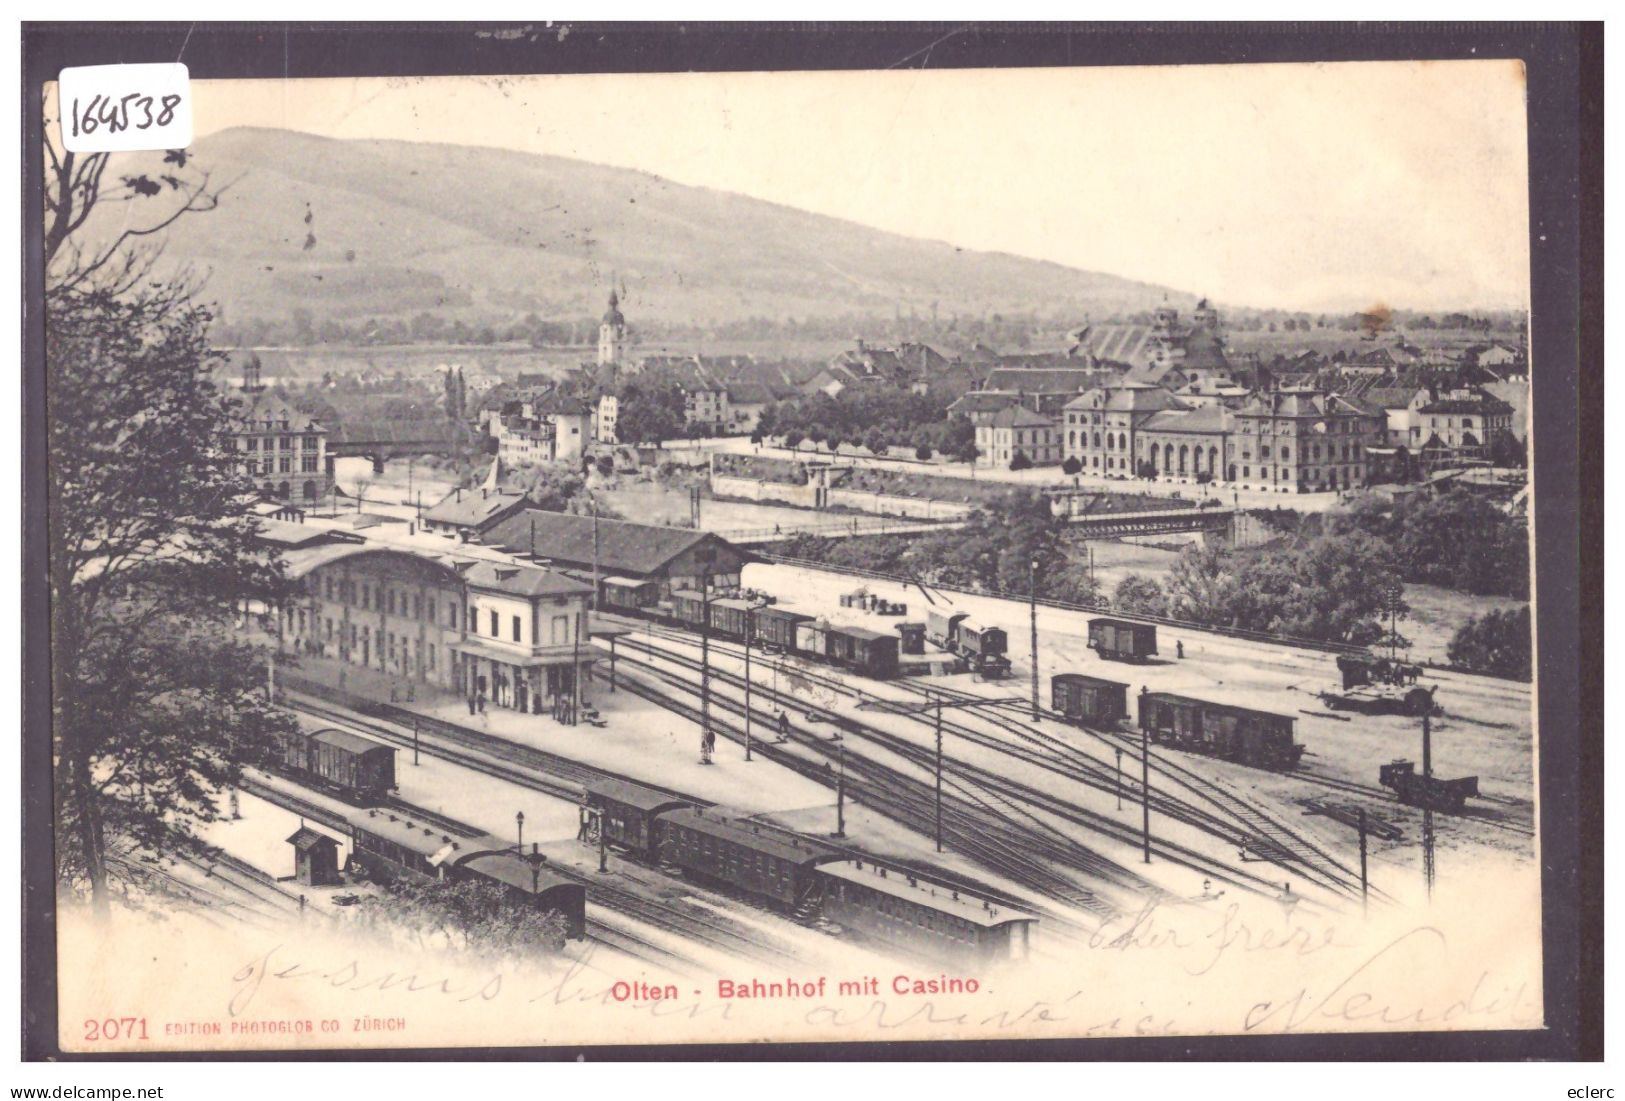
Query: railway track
x: 1244, y: 824
x: 698, y: 928
x: 1025, y: 842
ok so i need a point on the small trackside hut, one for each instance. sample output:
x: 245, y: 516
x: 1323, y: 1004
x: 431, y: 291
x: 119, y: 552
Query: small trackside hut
x: 896, y: 907
x: 1085, y: 699
x: 1121, y: 640
x: 629, y: 815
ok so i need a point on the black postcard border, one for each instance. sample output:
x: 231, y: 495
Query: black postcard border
x: 1564, y: 71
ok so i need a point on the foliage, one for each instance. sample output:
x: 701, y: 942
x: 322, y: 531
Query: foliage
x: 863, y: 416
x: 1506, y: 450
x: 557, y: 487
x: 1020, y: 461
x: 1326, y: 587
x: 1140, y: 595
x: 650, y: 412
x: 1456, y: 539
x: 1071, y: 465
x: 473, y: 915
x: 923, y: 451
x: 1499, y: 642
x: 959, y: 440
x: 155, y: 706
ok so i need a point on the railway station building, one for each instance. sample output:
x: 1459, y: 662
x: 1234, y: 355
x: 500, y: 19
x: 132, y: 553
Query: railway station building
x: 512, y: 635
x: 671, y: 559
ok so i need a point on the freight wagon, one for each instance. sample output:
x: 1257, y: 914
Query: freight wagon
x: 1120, y: 640
x: 1418, y: 790
x: 356, y: 768
x: 812, y: 638
x: 1261, y: 739
x: 628, y: 594
x: 868, y: 652
x: 776, y: 627
x: 1089, y: 700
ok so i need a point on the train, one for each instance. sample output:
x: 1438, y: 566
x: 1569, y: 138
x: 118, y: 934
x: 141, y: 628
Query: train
x: 870, y: 653
x: 391, y: 844
x: 1121, y: 640
x: 804, y: 877
x: 358, y: 770
x: 985, y: 649
x: 1261, y: 739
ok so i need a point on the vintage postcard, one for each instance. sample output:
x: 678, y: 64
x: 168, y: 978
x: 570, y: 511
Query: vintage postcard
x: 770, y: 556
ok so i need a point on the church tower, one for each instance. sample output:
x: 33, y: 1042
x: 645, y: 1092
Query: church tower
x: 612, y: 332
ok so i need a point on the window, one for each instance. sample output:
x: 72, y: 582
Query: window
x: 285, y: 465
x: 366, y: 596
x: 285, y: 443
x: 417, y: 606
x: 451, y: 613
x: 496, y: 626
x: 516, y: 637
x: 308, y: 465
x: 310, y: 443
x: 561, y: 630
x: 253, y: 443
x: 389, y: 601
x: 1285, y: 454
x: 1264, y: 452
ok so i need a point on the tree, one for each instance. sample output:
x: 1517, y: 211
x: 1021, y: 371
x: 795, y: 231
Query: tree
x: 923, y: 452
x: 153, y: 557
x: 1500, y: 643
x: 1140, y: 595
x: 1506, y: 450
x: 1071, y: 465
x: 473, y: 915
x: 1020, y: 461
x: 875, y: 441
x: 650, y: 413
x: 959, y: 441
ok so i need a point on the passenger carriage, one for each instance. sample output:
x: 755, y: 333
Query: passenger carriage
x: 722, y: 846
x: 629, y: 814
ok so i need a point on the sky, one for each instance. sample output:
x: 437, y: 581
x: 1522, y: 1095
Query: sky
x: 1303, y: 186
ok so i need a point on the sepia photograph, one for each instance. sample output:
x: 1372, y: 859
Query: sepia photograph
x: 637, y: 558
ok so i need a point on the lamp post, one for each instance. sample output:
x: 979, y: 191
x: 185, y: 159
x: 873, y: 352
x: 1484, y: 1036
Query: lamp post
x: 1145, y: 781
x: 519, y: 820
x: 414, y: 742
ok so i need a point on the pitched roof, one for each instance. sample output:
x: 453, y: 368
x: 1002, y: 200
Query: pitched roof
x: 470, y: 509
x: 982, y: 401
x: 746, y: 392
x: 304, y: 839
x: 1046, y: 380
x: 623, y: 547
x: 1019, y: 416
x: 1139, y: 397
x: 522, y: 580
x: 1211, y: 419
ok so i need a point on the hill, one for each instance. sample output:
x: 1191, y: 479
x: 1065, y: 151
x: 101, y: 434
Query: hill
x: 398, y: 227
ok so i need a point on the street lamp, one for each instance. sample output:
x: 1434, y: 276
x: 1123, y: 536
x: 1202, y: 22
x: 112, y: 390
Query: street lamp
x: 519, y: 820
x: 840, y: 788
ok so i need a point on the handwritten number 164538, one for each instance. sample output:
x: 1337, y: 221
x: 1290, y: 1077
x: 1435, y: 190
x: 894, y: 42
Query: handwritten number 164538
x: 134, y: 110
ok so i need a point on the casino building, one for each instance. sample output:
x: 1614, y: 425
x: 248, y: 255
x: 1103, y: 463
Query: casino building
x: 514, y: 635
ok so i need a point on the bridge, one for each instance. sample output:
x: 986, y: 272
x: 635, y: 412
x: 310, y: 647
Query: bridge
x: 1104, y: 525
x: 382, y: 440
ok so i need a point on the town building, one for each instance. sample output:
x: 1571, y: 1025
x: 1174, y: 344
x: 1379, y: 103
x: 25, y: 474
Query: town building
x: 1184, y: 444
x: 283, y: 451
x: 1100, y: 428
x: 512, y: 634
x: 1017, y: 430
x: 542, y: 427
x: 746, y: 401
x: 1304, y: 440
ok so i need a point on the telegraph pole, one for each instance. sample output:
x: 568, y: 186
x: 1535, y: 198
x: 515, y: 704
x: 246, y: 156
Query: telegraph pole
x: 705, y: 653
x: 1427, y: 811
x: 1032, y: 589
x: 1145, y: 786
x: 603, y: 842
x: 1119, y: 777
x: 750, y: 629
x: 414, y: 742
x: 938, y: 701
x: 1364, y: 899
x: 840, y: 790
